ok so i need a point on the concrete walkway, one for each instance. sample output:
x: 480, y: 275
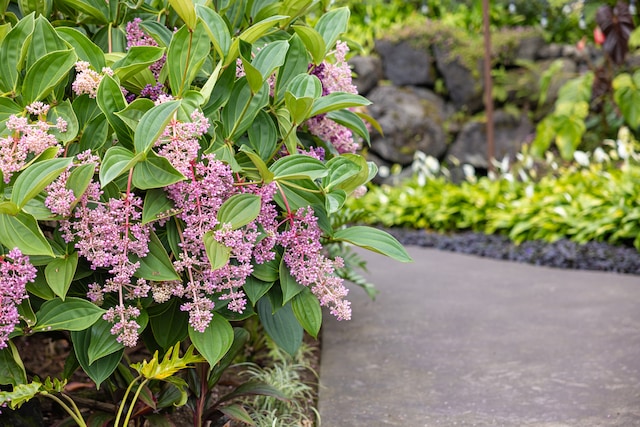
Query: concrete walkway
x: 457, y: 340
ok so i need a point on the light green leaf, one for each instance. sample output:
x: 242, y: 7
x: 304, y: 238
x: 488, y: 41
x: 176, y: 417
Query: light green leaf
x: 12, y: 52
x: 337, y: 101
x: 97, y: 9
x: 215, y: 341
x: 298, y: 166
x: 40, y: 7
x: 155, y: 172
x: 290, y: 287
x: 186, y: 11
x: 20, y: 394
x: 35, y: 178
x: 352, y: 121
x: 242, y: 108
x: 59, y: 274
x: 331, y: 25
x: 313, y: 41
x: 116, y: 161
x: 216, y: 28
x: 187, y: 52
x: 132, y: 114
x: 84, y: 48
x: 239, y: 210
x: 374, y: 240
x: 152, y: 125
x: 46, y: 73
x: 335, y: 201
x: 22, y: 231
x: 65, y: 111
x: 270, y: 57
x: 306, y: 308
x: 111, y: 100
x: 305, y: 86
x: 263, y: 170
x: 263, y: 136
x: 72, y: 314
x: 44, y: 40
x: 137, y: 59
x: 217, y: 253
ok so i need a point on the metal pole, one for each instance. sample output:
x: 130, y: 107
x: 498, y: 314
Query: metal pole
x: 488, y: 84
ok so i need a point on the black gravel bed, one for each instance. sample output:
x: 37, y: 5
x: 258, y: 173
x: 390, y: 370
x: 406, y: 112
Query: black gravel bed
x: 560, y: 254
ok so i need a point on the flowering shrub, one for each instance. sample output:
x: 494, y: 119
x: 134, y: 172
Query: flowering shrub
x: 169, y: 168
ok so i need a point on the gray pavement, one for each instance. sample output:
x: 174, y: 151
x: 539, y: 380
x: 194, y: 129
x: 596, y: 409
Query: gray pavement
x: 458, y: 340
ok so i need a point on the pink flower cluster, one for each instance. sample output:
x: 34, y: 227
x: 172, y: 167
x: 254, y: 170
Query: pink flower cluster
x: 310, y: 267
x: 106, y: 234
x: 335, y: 77
x: 137, y: 37
x: 179, y: 141
x: 15, y: 272
x: 88, y: 80
x: 28, y: 139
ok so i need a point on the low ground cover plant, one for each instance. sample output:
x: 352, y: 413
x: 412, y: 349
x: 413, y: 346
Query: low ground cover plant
x: 592, y: 198
x: 169, y: 170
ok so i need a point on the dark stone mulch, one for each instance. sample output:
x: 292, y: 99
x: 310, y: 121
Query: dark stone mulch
x: 560, y: 254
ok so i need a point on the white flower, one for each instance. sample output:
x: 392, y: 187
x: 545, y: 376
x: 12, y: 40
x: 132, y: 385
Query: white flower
x: 432, y: 164
x: 600, y: 156
x: 469, y: 172
x: 384, y: 171
x: 581, y: 158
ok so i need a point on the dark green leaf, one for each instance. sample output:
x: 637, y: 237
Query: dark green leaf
x: 169, y: 326
x: 134, y: 112
x: 156, y: 205
x: 72, y: 314
x: 102, y: 368
x: 282, y: 326
x: 290, y: 287
x: 157, y: 265
x: 111, y: 100
x: 255, y: 288
x: 155, y: 172
x: 12, y: 371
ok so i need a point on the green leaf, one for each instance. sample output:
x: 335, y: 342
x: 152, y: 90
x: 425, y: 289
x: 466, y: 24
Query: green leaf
x: 35, y: 178
x: 111, y: 100
x: 84, y: 48
x: 306, y: 308
x: 252, y: 34
x: 282, y: 326
x: 270, y: 57
x: 12, y: 371
x: 46, y: 73
x: 298, y: 166
x: 137, y: 59
x: 186, y: 11
x: 237, y: 412
x: 240, y: 338
x: 100, y: 369
x: 155, y: 172
x: 216, y: 28
x: 44, y: 40
x: 300, y: 108
x: 335, y: 200
x: 101, y: 342
x: 97, y: 9
x: 331, y: 25
x: 337, y: 101
x: 305, y: 86
x: 187, y: 52
x: 290, y: 287
x: 242, y: 108
x: 352, y: 121
x: 80, y: 178
x: 40, y: 288
x: 253, y: 76
x: 59, y: 274
x: 65, y: 111
x: 255, y: 288
x: 169, y: 324
x: 313, y: 41
x: 117, y: 160
x: 22, y: 231
x: 296, y: 63
x: 267, y: 271
x: 21, y: 393
x: 239, y: 210
x: 134, y: 112
x: 342, y: 170
x: 217, y: 253
x: 263, y: 137
x: 12, y: 52
x: 252, y: 388
x: 72, y: 314
x: 157, y: 265
x: 263, y: 170
x: 215, y: 341
x: 152, y: 125
x: 374, y: 240
x: 40, y: 7
x: 156, y: 205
